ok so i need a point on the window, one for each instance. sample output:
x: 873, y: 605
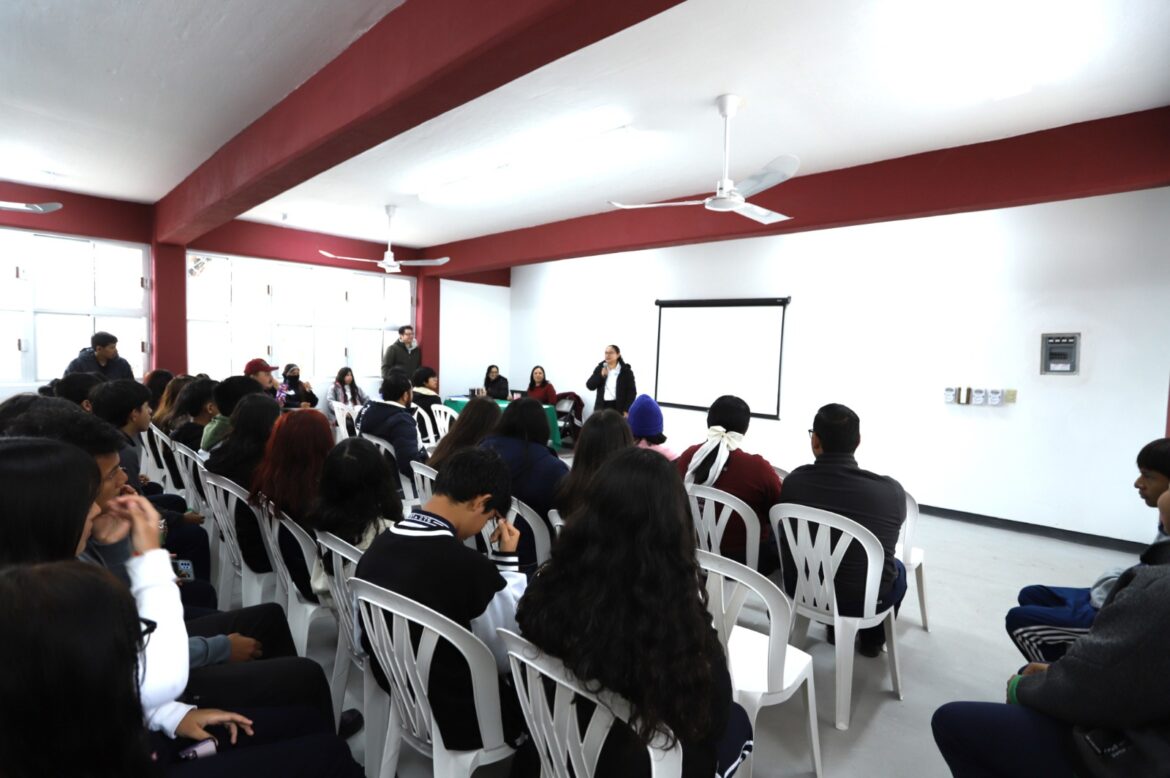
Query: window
x: 57, y: 291
x: 320, y: 318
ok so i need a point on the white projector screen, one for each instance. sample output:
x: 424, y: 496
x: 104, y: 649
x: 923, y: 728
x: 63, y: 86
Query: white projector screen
x: 708, y: 348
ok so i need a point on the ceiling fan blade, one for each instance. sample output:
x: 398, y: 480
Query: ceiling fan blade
x: 775, y: 172
x: 331, y: 255
x: 656, y: 205
x: 761, y: 215
x: 29, y: 207
x: 424, y: 262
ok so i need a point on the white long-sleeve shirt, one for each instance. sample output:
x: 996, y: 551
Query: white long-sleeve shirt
x: 164, y: 660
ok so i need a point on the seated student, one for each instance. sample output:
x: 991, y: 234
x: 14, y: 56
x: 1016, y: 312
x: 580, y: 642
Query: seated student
x: 261, y: 372
x: 539, y: 388
x: 125, y: 404
x: 76, y: 387
x: 1049, y: 619
x: 101, y: 357
x: 1101, y: 709
x: 722, y: 464
x: 476, y: 421
x: 494, y: 384
x: 345, y: 390
x: 645, y: 418
x: 194, y: 409
x: 237, y: 459
x: 423, y: 557
x: 391, y: 420
x: 657, y: 649
x: 166, y: 414
x: 357, y: 501
x: 835, y: 483
x: 604, y: 435
x: 157, y: 382
x: 288, y: 475
x: 43, y: 523
x: 297, y: 393
x: 521, y: 439
x: 227, y: 393
x: 89, y: 636
x: 425, y: 387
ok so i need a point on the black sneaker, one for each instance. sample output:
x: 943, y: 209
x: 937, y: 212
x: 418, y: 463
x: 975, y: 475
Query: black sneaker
x: 869, y: 650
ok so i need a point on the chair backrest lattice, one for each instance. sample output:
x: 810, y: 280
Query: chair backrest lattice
x: 536, y: 526
x: 565, y: 748
x: 388, y: 619
x: 343, y: 561
x: 908, y: 531
x: 404, y: 482
x: 267, y: 518
x: 424, y: 480
x: 818, y: 541
x: 224, y: 495
x: 427, y: 434
x: 444, y: 418
x: 712, y: 510
x: 190, y: 466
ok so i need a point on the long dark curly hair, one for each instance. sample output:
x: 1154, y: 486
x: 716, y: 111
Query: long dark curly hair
x: 622, y: 603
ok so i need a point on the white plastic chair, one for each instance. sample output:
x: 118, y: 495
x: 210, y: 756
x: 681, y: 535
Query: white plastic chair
x: 557, y: 522
x: 189, y: 465
x: 537, y: 527
x: 780, y: 472
x: 816, y: 562
x: 444, y: 418
x: 555, y: 729
x: 301, y: 612
x: 341, y: 412
x: 284, y: 585
x: 428, y: 437
x: 712, y: 509
x: 765, y: 670
x: 424, y: 481
x: 153, y: 443
x: 409, y: 497
x: 912, y: 556
x: 388, y: 619
x: 256, y: 588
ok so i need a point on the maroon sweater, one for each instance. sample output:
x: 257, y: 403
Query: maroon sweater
x: 544, y: 393
x: 750, y: 478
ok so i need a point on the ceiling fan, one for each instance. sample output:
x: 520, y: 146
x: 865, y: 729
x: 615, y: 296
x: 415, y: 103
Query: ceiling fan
x: 29, y: 207
x: 387, y: 262
x: 728, y: 196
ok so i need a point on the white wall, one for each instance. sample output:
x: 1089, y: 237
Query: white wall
x: 884, y: 316
x: 475, y: 330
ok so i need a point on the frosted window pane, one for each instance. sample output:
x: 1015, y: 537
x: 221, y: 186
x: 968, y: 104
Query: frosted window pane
x: 293, y: 344
x: 330, y: 353
x: 249, y: 342
x: 118, y: 276
x: 131, y: 334
x: 11, y: 359
x: 398, y: 303
x: 14, y: 292
x: 61, y: 270
x: 59, y: 337
x: 329, y: 301
x: 209, y: 287
x: 366, y: 300
x: 207, y: 348
x: 250, y: 297
x: 365, y: 352
x: 293, y: 293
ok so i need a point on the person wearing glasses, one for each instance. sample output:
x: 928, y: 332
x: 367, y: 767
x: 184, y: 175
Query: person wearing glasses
x: 835, y: 483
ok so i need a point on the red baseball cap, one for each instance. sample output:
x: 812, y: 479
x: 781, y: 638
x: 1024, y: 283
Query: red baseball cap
x: 258, y: 365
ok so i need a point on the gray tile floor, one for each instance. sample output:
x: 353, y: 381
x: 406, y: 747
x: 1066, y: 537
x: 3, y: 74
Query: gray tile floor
x: 972, y: 575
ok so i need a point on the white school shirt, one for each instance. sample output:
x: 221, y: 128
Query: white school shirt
x: 610, y: 393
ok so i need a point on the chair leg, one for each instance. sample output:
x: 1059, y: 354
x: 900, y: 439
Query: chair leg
x: 298, y: 625
x: 376, y: 710
x: 751, y: 706
x: 814, y: 738
x: 846, y: 632
x: 892, y: 644
x: 339, y: 679
x: 226, y: 581
x: 920, y: 575
x: 393, y: 744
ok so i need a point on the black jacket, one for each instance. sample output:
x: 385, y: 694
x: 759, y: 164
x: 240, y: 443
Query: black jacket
x: 398, y: 356
x: 86, y: 362
x: 497, y: 387
x: 627, y: 388
x: 395, y: 425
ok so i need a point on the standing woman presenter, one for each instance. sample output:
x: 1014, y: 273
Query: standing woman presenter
x: 613, y: 380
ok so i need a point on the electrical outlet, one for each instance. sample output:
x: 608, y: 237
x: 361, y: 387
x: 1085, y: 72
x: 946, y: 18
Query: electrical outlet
x: 1009, y: 395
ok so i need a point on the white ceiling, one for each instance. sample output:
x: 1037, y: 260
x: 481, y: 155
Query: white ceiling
x: 127, y: 101
x: 124, y: 98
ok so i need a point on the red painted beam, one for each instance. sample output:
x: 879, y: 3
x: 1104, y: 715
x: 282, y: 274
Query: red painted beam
x: 1105, y: 156
x: 266, y: 241
x: 168, y: 307
x: 420, y: 61
x: 427, y: 322
x: 85, y: 215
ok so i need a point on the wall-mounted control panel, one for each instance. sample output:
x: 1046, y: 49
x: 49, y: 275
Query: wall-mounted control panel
x: 1060, y: 353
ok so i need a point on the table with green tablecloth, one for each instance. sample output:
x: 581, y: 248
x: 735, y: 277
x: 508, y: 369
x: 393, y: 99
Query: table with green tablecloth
x: 457, y: 404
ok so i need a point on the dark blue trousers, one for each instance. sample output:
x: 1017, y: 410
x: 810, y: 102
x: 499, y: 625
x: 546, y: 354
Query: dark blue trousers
x: 986, y: 739
x: 1048, y: 620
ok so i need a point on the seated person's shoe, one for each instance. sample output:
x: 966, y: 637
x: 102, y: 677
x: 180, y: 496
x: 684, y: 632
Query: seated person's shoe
x: 350, y: 724
x: 871, y: 651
